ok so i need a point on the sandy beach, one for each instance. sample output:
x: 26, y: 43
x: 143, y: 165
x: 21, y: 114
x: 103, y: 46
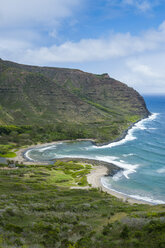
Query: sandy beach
x: 94, y: 178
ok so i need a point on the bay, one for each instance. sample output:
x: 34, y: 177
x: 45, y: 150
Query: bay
x: 141, y: 154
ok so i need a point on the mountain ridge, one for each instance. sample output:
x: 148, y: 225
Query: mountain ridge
x: 49, y: 95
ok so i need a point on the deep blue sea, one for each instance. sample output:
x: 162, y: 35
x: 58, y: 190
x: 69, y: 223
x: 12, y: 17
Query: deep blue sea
x: 141, y: 153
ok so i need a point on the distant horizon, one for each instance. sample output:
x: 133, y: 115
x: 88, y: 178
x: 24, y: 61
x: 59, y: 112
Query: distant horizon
x: 156, y: 94
x: 124, y: 38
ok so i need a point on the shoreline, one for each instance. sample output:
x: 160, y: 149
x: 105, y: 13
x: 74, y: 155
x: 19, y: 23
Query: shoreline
x: 100, y: 169
x: 21, y: 153
x: 94, y: 178
x: 124, y: 134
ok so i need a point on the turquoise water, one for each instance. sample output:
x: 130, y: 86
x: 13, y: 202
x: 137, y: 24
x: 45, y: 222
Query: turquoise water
x: 141, y: 154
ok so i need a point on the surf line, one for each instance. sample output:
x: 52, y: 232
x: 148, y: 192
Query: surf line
x: 128, y: 134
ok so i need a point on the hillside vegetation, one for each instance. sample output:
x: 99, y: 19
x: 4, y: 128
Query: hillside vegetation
x: 37, y: 210
x: 45, y: 104
x: 37, y: 206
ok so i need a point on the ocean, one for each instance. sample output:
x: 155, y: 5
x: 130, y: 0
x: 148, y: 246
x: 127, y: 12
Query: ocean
x: 141, y: 154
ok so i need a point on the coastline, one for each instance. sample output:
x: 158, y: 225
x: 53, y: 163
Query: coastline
x: 94, y: 179
x: 100, y: 168
x: 124, y: 134
x: 21, y: 153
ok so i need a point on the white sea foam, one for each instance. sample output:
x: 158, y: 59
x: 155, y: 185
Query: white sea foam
x: 161, y: 171
x: 27, y: 155
x: 128, y: 155
x: 72, y: 156
x: 118, y: 176
x: 89, y: 148
x: 140, y: 125
x: 46, y: 148
x: 109, y: 159
x: 147, y: 199
x: 42, y: 149
x: 137, y: 197
x: 128, y: 168
x: 153, y: 116
x: 129, y: 137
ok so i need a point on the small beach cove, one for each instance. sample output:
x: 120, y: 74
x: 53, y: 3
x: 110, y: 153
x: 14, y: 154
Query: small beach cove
x: 139, y: 155
x: 100, y: 169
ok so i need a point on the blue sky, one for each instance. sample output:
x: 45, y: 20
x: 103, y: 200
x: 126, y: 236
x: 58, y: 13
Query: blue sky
x: 125, y: 38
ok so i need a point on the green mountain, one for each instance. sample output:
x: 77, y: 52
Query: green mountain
x: 96, y: 106
x: 38, y: 209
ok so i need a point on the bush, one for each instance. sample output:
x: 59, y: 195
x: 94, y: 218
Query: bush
x: 125, y: 232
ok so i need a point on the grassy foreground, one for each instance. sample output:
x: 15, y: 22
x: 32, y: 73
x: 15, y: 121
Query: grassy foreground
x: 38, y: 209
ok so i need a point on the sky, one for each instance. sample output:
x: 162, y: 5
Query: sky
x: 124, y: 38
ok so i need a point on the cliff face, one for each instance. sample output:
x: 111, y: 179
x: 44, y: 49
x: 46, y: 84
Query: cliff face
x: 45, y: 95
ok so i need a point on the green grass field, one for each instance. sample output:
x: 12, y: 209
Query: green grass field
x: 38, y: 209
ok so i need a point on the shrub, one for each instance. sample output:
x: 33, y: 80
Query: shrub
x: 125, y: 232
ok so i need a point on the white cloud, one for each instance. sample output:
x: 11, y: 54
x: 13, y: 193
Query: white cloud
x: 148, y: 72
x: 20, y: 13
x: 137, y: 60
x: 115, y: 46
x: 142, y: 5
x: 35, y: 20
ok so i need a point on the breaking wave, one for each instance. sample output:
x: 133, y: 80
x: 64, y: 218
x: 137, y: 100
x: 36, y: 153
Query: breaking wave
x: 129, y: 137
x: 137, y: 197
